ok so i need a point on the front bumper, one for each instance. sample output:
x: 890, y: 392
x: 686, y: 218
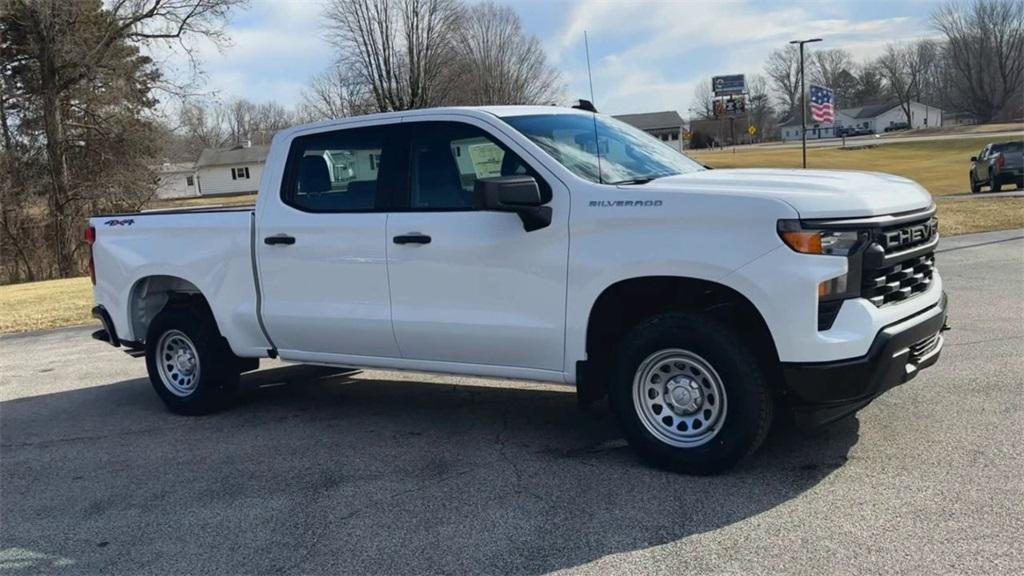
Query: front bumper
x: 823, y: 392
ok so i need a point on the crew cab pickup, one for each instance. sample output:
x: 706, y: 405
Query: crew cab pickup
x: 547, y: 244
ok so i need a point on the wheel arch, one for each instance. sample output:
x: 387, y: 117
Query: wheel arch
x: 149, y: 295
x: 629, y: 301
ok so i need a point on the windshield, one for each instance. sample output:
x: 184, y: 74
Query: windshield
x: 628, y: 155
x: 1008, y: 147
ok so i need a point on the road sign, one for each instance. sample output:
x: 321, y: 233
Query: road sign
x: 729, y: 85
x: 751, y: 130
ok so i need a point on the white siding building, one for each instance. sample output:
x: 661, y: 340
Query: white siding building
x: 873, y: 119
x: 176, y: 181
x: 231, y: 171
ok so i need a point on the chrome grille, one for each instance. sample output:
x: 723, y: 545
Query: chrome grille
x: 899, y: 281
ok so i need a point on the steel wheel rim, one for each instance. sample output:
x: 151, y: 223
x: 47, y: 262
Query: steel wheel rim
x: 178, y: 363
x: 679, y: 397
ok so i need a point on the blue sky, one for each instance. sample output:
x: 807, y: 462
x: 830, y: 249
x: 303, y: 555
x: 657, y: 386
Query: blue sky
x: 646, y: 55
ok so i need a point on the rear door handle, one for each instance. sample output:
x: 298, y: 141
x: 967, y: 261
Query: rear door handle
x: 279, y: 239
x: 413, y: 238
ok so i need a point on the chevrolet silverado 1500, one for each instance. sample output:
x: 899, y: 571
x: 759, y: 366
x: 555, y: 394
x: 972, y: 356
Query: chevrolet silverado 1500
x: 547, y: 244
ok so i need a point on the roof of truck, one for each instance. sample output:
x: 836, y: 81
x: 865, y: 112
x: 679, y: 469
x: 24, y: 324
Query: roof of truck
x: 479, y: 111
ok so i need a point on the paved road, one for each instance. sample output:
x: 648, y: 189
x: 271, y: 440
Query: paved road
x: 321, y: 471
x: 968, y: 195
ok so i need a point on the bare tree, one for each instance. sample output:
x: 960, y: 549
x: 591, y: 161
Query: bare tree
x: 334, y: 93
x: 704, y: 99
x: 834, y: 69
x: 498, y: 63
x: 397, y: 48
x: 985, y: 47
x: 870, y: 85
x: 64, y: 44
x: 760, y: 113
x: 783, y: 68
x: 903, y: 67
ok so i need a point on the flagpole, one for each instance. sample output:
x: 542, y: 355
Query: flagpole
x: 803, y: 97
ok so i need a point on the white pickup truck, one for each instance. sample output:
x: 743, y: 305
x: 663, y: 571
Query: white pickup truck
x: 540, y: 243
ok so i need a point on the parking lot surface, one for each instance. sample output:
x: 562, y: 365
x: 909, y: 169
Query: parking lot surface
x: 333, y: 471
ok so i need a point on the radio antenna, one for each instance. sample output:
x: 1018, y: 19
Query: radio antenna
x: 590, y: 79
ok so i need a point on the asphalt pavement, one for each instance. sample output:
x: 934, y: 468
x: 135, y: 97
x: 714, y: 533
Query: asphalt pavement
x: 367, y: 472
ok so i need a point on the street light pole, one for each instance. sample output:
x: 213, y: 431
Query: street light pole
x: 803, y: 96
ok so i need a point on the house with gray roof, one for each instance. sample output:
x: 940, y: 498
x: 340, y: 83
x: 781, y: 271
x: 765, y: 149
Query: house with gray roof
x: 871, y: 119
x: 666, y: 126
x: 234, y: 170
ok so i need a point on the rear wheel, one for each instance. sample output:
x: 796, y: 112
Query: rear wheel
x: 995, y: 183
x: 689, y: 396
x: 189, y: 363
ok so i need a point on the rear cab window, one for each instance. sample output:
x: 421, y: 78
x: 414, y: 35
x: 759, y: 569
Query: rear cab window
x: 338, y: 171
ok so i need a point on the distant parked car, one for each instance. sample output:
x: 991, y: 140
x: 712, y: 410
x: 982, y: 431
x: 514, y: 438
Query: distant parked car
x: 859, y: 131
x: 897, y: 126
x: 997, y: 164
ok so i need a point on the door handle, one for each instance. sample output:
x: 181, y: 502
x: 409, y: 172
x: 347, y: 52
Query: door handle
x: 279, y: 239
x: 413, y: 238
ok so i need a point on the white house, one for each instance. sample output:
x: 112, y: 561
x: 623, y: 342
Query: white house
x: 176, y: 180
x: 873, y: 119
x: 231, y: 171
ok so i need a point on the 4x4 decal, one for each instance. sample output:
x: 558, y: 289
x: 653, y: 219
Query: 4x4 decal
x: 125, y: 222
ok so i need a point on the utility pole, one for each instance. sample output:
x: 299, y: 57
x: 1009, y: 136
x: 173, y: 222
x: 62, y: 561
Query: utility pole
x: 803, y: 95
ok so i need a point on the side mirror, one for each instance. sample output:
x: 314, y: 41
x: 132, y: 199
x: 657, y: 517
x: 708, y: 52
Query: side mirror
x: 974, y: 158
x: 519, y: 194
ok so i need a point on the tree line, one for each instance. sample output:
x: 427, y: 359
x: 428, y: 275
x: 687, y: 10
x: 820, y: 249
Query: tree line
x: 974, y: 66
x: 83, y: 107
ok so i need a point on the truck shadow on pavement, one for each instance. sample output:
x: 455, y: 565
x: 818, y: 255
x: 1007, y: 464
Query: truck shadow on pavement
x: 321, y: 470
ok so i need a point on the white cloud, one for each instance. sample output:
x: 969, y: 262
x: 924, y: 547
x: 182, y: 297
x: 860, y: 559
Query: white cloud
x: 275, y: 47
x: 660, y: 50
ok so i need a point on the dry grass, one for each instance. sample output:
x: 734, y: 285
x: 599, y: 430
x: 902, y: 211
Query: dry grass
x: 203, y: 201
x: 41, y: 305
x: 979, y: 215
x: 975, y: 129
x: 941, y: 166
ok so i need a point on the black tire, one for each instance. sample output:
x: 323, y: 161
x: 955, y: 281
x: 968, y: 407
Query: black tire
x: 1020, y: 183
x: 217, y: 372
x: 975, y: 187
x: 746, y: 410
x: 995, y: 184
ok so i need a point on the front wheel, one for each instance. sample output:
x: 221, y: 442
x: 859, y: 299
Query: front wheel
x: 189, y: 363
x: 975, y: 187
x: 689, y: 395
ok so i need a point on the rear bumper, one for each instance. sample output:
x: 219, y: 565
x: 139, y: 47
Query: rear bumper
x: 108, y: 334
x: 826, y: 391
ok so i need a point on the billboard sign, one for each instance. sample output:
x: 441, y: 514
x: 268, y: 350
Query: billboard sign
x: 729, y: 85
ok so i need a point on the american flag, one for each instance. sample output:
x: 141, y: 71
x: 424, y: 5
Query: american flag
x: 821, y: 104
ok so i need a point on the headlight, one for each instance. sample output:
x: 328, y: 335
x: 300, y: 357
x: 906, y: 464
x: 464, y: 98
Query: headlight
x: 812, y: 241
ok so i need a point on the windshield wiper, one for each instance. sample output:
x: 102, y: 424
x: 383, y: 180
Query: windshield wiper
x: 638, y: 180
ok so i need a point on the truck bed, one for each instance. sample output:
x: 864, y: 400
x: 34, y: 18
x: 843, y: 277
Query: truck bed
x: 208, y: 248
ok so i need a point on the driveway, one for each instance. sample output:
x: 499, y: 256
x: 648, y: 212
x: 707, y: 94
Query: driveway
x: 333, y: 471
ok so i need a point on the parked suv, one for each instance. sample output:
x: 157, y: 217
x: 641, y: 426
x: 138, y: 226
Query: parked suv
x: 997, y: 164
x: 545, y: 244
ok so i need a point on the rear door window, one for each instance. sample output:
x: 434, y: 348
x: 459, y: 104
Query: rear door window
x: 339, y: 171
